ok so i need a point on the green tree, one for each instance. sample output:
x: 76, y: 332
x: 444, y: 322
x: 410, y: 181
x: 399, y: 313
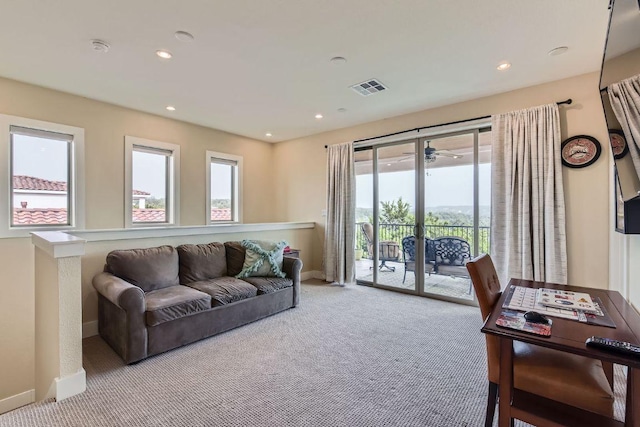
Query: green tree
x: 396, y: 212
x: 154, y: 203
x: 221, y: 203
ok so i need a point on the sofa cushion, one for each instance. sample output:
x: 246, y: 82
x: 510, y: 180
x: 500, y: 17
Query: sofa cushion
x: 262, y: 258
x: 225, y: 290
x: 267, y: 285
x: 149, y: 269
x: 174, y: 302
x: 235, y: 257
x: 202, y: 262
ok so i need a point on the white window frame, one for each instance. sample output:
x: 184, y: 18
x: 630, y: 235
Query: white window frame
x: 236, y: 197
x: 76, y: 197
x: 172, y: 206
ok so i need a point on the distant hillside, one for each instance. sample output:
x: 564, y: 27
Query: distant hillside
x: 453, y: 215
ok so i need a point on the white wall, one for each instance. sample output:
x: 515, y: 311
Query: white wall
x: 586, y: 190
x: 39, y: 200
x: 105, y: 127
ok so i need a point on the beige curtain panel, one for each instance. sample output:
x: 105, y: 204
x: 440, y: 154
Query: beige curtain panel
x: 625, y: 101
x: 528, y: 236
x: 339, y: 236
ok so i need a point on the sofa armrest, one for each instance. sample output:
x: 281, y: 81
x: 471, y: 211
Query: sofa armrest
x: 292, y: 267
x: 120, y: 292
x: 121, y: 319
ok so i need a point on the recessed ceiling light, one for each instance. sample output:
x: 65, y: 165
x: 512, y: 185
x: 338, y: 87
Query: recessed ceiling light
x: 184, y: 36
x: 503, y: 66
x: 319, y: 116
x: 338, y: 60
x: 100, y: 46
x: 164, y: 54
x: 342, y: 110
x: 558, y: 51
x: 388, y: 164
x: 268, y: 135
x: 171, y: 108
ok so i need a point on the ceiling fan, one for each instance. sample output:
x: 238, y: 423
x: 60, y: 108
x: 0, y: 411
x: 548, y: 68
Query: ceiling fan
x: 431, y: 154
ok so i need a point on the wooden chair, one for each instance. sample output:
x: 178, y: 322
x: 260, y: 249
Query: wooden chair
x: 573, y: 380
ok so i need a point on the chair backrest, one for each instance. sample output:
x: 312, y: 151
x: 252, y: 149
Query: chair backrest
x: 452, y: 251
x: 367, y: 230
x: 429, y: 250
x: 487, y: 286
x: 485, y: 282
x: 409, y: 248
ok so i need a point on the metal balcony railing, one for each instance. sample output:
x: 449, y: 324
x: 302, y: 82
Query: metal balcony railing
x: 396, y: 232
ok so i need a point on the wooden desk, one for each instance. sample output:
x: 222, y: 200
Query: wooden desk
x: 568, y: 336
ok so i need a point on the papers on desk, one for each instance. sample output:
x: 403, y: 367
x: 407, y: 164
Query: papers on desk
x: 558, y: 298
x: 521, y: 298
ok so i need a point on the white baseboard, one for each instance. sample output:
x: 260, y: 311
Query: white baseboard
x: 89, y: 329
x: 313, y: 274
x: 71, y: 385
x: 14, y: 402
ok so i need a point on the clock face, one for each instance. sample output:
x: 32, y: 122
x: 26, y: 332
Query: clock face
x: 580, y: 151
x: 618, y: 143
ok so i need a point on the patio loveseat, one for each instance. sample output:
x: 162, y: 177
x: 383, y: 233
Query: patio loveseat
x: 157, y: 299
x: 443, y: 255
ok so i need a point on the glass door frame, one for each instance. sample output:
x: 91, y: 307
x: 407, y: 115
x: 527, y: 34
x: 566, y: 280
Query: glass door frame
x: 376, y: 217
x: 419, y: 142
x: 420, y: 225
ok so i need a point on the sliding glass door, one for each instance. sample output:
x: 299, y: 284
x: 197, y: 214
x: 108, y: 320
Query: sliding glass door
x: 416, y: 231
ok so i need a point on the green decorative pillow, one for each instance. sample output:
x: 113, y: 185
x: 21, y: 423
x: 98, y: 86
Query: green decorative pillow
x: 262, y: 258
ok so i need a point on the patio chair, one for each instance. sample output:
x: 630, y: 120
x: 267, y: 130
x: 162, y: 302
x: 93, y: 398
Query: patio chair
x: 409, y: 255
x: 388, y: 250
x: 451, y: 257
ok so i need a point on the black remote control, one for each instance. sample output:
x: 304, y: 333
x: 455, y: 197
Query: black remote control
x: 614, y: 345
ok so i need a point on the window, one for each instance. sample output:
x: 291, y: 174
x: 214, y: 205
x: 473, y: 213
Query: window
x: 44, y: 181
x: 224, y: 186
x: 152, y: 174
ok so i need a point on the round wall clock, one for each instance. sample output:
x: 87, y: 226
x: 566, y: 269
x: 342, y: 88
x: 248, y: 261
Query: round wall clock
x: 618, y: 143
x: 580, y: 151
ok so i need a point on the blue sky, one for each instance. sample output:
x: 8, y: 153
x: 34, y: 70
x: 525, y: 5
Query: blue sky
x: 451, y: 186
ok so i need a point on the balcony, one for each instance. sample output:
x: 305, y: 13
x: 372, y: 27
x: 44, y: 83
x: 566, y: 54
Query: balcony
x: 457, y: 286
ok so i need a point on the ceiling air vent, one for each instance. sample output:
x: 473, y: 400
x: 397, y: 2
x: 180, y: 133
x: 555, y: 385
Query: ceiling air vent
x: 369, y: 87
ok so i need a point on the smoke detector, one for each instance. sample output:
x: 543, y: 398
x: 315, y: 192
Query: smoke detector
x: 369, y: 87
x: 100, y: 46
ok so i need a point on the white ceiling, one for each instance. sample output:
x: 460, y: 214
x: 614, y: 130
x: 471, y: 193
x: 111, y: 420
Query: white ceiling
x: 260, y: 66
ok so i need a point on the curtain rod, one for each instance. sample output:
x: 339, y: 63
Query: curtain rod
x: 568, y: 101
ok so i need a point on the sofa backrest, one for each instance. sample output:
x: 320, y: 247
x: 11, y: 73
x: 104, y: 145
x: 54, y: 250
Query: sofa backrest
x: 202, y: 262
x: 235, y: 257
x: 149, y: 269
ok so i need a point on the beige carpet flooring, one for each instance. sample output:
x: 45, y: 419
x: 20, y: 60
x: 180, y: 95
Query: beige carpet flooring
x: 352, y: 357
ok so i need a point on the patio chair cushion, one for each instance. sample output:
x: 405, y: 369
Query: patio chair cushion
x: 389, y: 250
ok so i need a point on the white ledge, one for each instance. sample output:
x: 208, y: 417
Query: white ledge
x: 154, y: 232
x: 58, y: 244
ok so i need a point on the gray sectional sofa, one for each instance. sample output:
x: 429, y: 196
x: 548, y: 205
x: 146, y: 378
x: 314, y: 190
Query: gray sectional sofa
x: 156, y: 299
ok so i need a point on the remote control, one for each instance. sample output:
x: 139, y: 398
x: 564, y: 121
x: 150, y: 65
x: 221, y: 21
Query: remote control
x: 614, y: 345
